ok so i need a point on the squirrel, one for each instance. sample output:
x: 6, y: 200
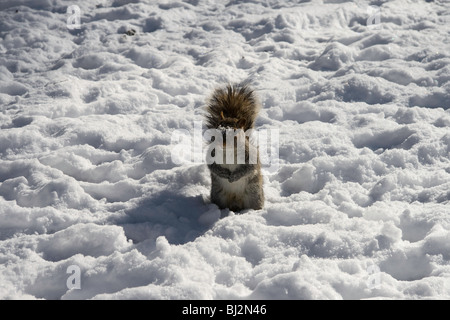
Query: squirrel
x: 236, y: 183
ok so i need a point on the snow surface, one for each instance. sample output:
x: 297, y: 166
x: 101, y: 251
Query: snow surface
x: 360, y: 205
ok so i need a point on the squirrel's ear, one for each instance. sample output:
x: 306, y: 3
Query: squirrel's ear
x: 241, y: 123
x: 221, y: 114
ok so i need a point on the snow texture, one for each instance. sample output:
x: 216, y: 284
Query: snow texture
x: 359, y: 207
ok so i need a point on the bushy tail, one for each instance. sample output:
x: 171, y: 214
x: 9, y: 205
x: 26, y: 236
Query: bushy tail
x: 236, y: 102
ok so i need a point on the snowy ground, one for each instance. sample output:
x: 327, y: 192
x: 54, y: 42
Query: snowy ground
x: 92, y: 205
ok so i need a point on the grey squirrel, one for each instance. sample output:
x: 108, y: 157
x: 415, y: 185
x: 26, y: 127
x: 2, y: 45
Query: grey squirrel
x: 236, y: 183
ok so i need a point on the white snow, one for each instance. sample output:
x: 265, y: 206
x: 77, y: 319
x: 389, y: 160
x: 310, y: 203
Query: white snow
x: 359, y: 207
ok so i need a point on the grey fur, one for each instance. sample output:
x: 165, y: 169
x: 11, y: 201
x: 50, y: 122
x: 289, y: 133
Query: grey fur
x: 237, y: 190
x: 235, y: 186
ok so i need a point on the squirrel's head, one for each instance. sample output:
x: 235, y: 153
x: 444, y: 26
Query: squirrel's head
x: 231, y: 123
x: 230, y: 128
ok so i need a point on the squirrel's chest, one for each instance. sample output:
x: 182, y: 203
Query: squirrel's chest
x: 234, y: 195
x: 237, y: 187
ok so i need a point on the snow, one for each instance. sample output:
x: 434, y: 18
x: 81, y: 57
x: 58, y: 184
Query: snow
x: 357, y: 208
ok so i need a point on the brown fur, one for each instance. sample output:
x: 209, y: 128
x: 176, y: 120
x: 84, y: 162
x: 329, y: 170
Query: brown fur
x: 233, y: 103
x: 235, y: 186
